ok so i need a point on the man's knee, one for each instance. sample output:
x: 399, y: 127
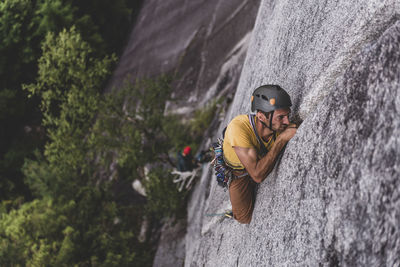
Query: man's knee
x: 244, y: 219
x: 243, y: 216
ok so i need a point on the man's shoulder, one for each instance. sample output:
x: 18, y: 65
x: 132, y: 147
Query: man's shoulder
x: 239, y: 133
x: 243, y: 118
x: 239, y: 123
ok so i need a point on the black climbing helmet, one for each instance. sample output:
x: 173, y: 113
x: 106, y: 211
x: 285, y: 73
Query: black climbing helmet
x: 268, y: 98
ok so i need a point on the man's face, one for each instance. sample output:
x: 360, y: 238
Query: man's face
x: 280, y: 120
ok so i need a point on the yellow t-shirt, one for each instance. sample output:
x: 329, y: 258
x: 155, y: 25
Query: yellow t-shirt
x: 240, y: 133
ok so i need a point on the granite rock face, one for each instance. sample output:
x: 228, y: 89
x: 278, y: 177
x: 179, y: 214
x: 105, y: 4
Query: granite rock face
x: 334, y: 197
x: 203, y: 43
x: 171, y: 248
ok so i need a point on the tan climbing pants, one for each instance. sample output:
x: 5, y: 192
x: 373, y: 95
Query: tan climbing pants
x: 242, y: 195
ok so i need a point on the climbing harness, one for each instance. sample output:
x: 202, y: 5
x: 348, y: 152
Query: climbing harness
x: 222, y: 171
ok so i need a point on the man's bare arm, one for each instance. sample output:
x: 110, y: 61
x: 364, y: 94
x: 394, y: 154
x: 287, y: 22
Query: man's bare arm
x: 259, y: 169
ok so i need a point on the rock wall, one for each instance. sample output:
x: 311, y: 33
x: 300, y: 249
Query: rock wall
x: 334, y: 197
x: 203, y: 43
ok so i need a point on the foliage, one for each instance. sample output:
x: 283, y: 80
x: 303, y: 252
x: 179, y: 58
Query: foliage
x: 203, y: 117
x: 68, y: 85
x: 131, y: 129
x: 134, y: 131
x: 47, y: 233
x: 201, y: 121
x: 16, y: 53
x: 93, y: 141
x: 24, y: 25
x: 73, y: 221
x: 178, y: 133
x: 164, y: 200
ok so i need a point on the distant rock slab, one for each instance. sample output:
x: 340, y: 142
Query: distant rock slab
x: 171, y: 249
x: 195, y: 40
x: 334, y: 198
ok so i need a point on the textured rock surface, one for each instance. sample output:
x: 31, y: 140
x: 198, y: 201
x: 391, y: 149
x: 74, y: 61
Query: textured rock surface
x: 334, y: 198
x: 203, y: 42
x: 171, y: 251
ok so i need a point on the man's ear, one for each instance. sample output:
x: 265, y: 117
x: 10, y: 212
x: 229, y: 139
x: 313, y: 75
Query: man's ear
x: 260, y: 115
x: 263, y: 115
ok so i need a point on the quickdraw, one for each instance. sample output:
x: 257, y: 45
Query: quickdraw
x: 222, y: 172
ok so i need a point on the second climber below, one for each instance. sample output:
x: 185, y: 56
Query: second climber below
x: 252, y: 144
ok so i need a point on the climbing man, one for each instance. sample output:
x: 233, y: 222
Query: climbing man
x: 252, y: 144
x: 185, y: 160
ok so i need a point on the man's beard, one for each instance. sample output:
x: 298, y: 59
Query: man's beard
x: 280, y: 129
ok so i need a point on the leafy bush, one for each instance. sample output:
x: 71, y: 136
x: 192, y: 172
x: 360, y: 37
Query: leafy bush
x: 74, y: 220
x: 202, y: 119
x: 24, y: 26
x: 68, y: 85
x: 94, y: 141
x: 130, y: 128
x: 49, y: 233
x: 163, y: 198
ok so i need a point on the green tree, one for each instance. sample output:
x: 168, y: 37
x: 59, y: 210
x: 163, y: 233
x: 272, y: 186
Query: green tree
x: 78, y: 226
x: 164, y: 200
x: 68, y: 84
x: 135, y: 114
x: 133, y: 130
x: 23, y: 27
x: 75, y: 218
x: 15, y: 56
x: 81, y: 231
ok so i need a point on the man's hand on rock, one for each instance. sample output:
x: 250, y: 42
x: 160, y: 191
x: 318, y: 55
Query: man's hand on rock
x: 288, y: 133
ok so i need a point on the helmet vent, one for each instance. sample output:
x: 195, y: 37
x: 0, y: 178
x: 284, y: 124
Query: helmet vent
x: 264, y: 97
